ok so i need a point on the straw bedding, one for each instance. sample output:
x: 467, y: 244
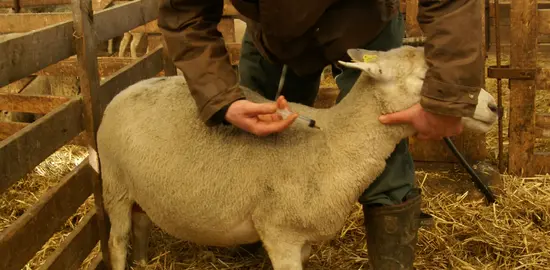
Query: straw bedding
x: 468, y: 234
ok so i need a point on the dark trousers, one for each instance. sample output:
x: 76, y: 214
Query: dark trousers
x: 259, y: 74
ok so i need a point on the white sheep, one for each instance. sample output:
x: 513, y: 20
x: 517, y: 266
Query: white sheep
x: 221, y: 186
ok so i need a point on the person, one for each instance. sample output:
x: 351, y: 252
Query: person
x: 309, y: 35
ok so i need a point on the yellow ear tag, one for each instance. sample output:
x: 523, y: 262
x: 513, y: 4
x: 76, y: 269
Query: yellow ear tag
x: 369, y: 58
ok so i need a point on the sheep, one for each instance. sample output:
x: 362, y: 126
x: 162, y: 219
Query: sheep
x: 222, y: 186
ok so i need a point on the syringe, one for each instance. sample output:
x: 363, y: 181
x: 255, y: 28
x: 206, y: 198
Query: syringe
x: 286, y: 113
x: 310, y: 122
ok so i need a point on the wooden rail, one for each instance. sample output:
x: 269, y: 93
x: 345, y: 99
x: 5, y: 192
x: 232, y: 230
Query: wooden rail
x: 30, y: 103
x: 33, y: 3
x: 25, y: 22
x: 68, y: 67
x: 27, y: 145
x: 31, y: 52
x: 9, y: 128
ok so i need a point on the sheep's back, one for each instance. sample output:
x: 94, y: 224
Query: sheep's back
x: 167, y: 157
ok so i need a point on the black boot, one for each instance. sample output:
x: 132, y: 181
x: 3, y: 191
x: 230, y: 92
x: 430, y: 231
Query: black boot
x: 392, y: 233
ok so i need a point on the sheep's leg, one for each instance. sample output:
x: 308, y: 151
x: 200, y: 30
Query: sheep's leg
x: 136, y: 39
x: 110, y: 46
x: 141, y: 226
x: 121, y: 224
x: 284, y: 255
x: 124, y: 44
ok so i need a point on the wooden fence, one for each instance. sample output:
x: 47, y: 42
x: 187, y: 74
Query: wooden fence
x: 526, y: 23
x: 66, y: 118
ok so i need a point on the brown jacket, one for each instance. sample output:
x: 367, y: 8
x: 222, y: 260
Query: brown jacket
x: 310, y: 34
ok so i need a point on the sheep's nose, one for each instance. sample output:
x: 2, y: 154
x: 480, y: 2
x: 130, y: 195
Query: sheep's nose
x: 493, y: 107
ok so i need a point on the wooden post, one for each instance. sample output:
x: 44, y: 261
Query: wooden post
x: 85, y: 44
x: 16, y: 6
x: 523, y: 54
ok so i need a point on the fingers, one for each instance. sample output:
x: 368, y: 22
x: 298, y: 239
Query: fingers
x: 260, y: 119
x: 400, y: 117
x: 439, y: 134
x: 260, y: 128
x: 253, y: 109
x: 270, y: 117
x: 282, y: 103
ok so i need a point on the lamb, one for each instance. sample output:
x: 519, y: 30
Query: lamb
x: 221, y: 186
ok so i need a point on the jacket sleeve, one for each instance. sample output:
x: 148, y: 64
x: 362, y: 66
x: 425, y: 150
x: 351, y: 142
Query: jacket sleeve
x: 453, y: 51
x: 189, y: 28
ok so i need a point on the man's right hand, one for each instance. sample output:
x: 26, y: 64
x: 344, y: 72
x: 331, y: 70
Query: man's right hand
x: 260, y: 119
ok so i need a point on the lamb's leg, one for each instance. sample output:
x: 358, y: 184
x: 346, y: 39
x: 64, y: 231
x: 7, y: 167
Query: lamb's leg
x: 284, y: 255
x: 124, y: 44
x: 110, y: 46
x: 141, y: 227
x: 121, y: 224
x: 136, y: 39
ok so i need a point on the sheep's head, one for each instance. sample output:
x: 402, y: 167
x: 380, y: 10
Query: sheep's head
x: 398, y: 76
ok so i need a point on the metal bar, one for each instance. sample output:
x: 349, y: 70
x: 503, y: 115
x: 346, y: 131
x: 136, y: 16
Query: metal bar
x: 475, y: 178
x: 499, y: 89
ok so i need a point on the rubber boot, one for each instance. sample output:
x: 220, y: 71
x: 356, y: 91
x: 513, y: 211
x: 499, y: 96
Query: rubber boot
x: 392, y: 233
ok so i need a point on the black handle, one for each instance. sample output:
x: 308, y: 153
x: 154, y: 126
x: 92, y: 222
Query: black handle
x: 475, y: 178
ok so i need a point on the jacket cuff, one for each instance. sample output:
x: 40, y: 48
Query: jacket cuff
x: 448, y: 99
x: 213, y: 112
x: 219, y: 116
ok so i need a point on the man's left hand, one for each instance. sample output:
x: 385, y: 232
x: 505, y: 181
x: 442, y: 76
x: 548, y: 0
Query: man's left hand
x: 428, y: 125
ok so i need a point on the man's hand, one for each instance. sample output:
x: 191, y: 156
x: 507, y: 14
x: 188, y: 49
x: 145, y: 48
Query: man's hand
x: 259, y: 119
x: 429, y: 126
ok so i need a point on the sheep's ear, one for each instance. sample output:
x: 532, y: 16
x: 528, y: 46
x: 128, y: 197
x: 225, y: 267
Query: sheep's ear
x: 362, y: 55
x: 372, y: 69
